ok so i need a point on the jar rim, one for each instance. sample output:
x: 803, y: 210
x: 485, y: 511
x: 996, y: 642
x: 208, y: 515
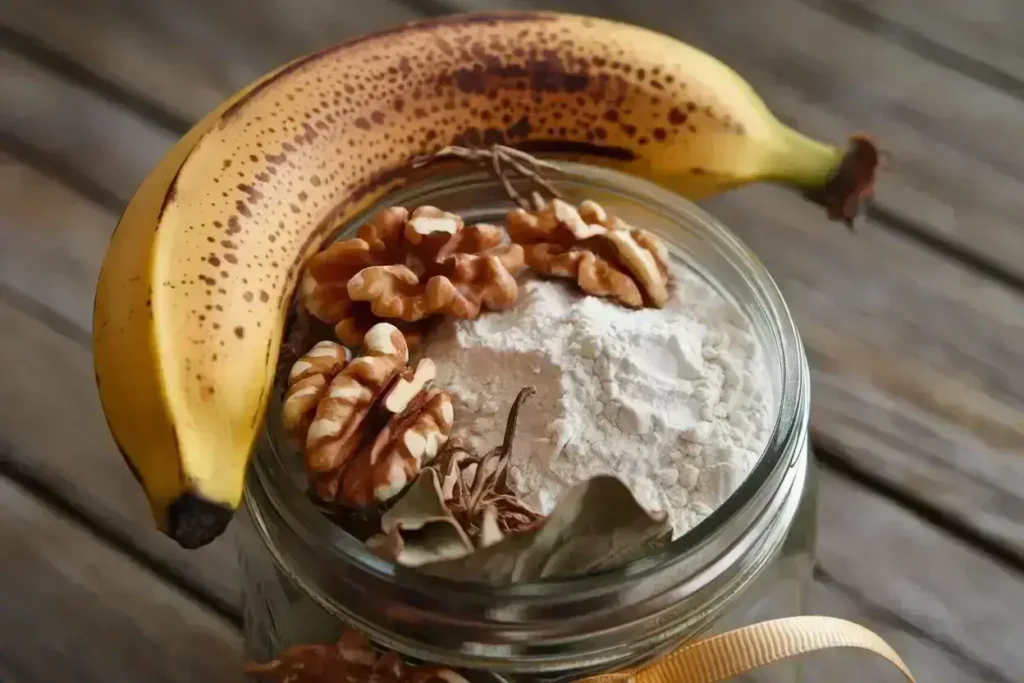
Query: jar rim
x: 787, y: 420
x: 307, y: 522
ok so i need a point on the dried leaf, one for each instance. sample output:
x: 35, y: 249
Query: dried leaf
x: 472, y: 484
x: 595, y: 525
x: 419, y: 527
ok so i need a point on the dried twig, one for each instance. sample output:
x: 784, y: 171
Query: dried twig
x: 498, y: 160
x: 489, y: 488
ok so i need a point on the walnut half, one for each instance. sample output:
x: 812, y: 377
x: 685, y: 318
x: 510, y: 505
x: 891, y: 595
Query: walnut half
x: 337, y: 429
x: 408, y: 269
x: 368, y: 433
x: 604, y: 255
x: 307, y: 384
x: 409, y: 440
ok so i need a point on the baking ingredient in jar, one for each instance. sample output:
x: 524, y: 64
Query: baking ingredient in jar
x: 676, y: 402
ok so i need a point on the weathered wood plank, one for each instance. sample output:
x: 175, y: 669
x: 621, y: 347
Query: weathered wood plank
x: 74, y: 609
x: 48, y: 381
x: 52, y: 241
x: 961, y: 599
x: 95, y: 138
x: 190, y: 55
x: 917, y: 373
x: 927, y: 660
x: 974, y: 34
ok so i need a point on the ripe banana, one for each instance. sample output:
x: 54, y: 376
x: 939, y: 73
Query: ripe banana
x: 199, y: 274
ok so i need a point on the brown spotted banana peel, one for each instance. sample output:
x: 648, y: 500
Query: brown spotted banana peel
x: 199, y: 274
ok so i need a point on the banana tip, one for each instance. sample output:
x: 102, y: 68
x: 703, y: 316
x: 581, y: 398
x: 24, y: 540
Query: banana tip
x: 193, y: 521
x: 853, y: 183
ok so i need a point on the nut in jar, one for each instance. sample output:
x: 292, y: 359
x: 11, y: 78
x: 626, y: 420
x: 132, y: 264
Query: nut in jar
x: 408, y: 269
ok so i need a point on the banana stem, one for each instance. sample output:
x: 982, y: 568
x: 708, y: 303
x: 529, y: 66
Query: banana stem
x: 840, y: 180
x: 802, y: 161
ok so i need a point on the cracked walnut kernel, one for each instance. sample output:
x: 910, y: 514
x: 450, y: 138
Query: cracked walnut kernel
x: 603, y: 254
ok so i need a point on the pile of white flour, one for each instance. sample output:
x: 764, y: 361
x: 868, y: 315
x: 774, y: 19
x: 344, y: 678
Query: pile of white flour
x: 676, y: 402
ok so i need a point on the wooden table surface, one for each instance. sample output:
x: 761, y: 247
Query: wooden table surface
x: 914, y: 326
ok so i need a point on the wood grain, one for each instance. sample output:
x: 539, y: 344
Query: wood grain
x: 973, y: 34
x: 961, y: 600
x: 917, y: 373
x: 77, y: 128
x: 52, y: 242
x: 52, y: 426
x: 190, y: 55
x: 928, y: 660
x: 917, y: 368
x: 74, y: 609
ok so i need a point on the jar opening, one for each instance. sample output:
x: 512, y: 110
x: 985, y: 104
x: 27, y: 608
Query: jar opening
x: 330, y: 564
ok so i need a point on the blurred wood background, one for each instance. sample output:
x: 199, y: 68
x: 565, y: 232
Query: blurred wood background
x: 913, y: 326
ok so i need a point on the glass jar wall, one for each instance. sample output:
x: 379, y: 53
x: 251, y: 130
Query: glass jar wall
x: 748, y: 561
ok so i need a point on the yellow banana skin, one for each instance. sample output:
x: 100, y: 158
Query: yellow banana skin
x: 199, y: 274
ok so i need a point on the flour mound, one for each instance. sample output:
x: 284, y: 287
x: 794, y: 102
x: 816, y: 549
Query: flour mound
x: 676, y: 402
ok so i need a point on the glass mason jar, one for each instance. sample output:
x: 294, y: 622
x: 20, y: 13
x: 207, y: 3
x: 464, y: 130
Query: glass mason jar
x: 748, y: 561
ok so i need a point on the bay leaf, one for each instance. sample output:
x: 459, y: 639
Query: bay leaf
x: 419, y: 528
x: 596, y: 524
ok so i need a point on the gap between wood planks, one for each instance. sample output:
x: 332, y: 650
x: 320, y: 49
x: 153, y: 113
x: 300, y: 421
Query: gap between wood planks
x: 11, y: 471
x: 61, y: 172
x: 56, y: 61
x: 891, y: 30
x: 845, y: 465
x: 886, y: 616
x: 24, y: 477
x: 75, y: 608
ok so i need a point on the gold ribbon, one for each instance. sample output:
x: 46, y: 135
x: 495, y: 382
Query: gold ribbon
x: 730, y: 654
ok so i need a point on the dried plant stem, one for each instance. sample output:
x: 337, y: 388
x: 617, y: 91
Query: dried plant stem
x: 486, y: 491
x: 498, y: 159
x: 488, y: 479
